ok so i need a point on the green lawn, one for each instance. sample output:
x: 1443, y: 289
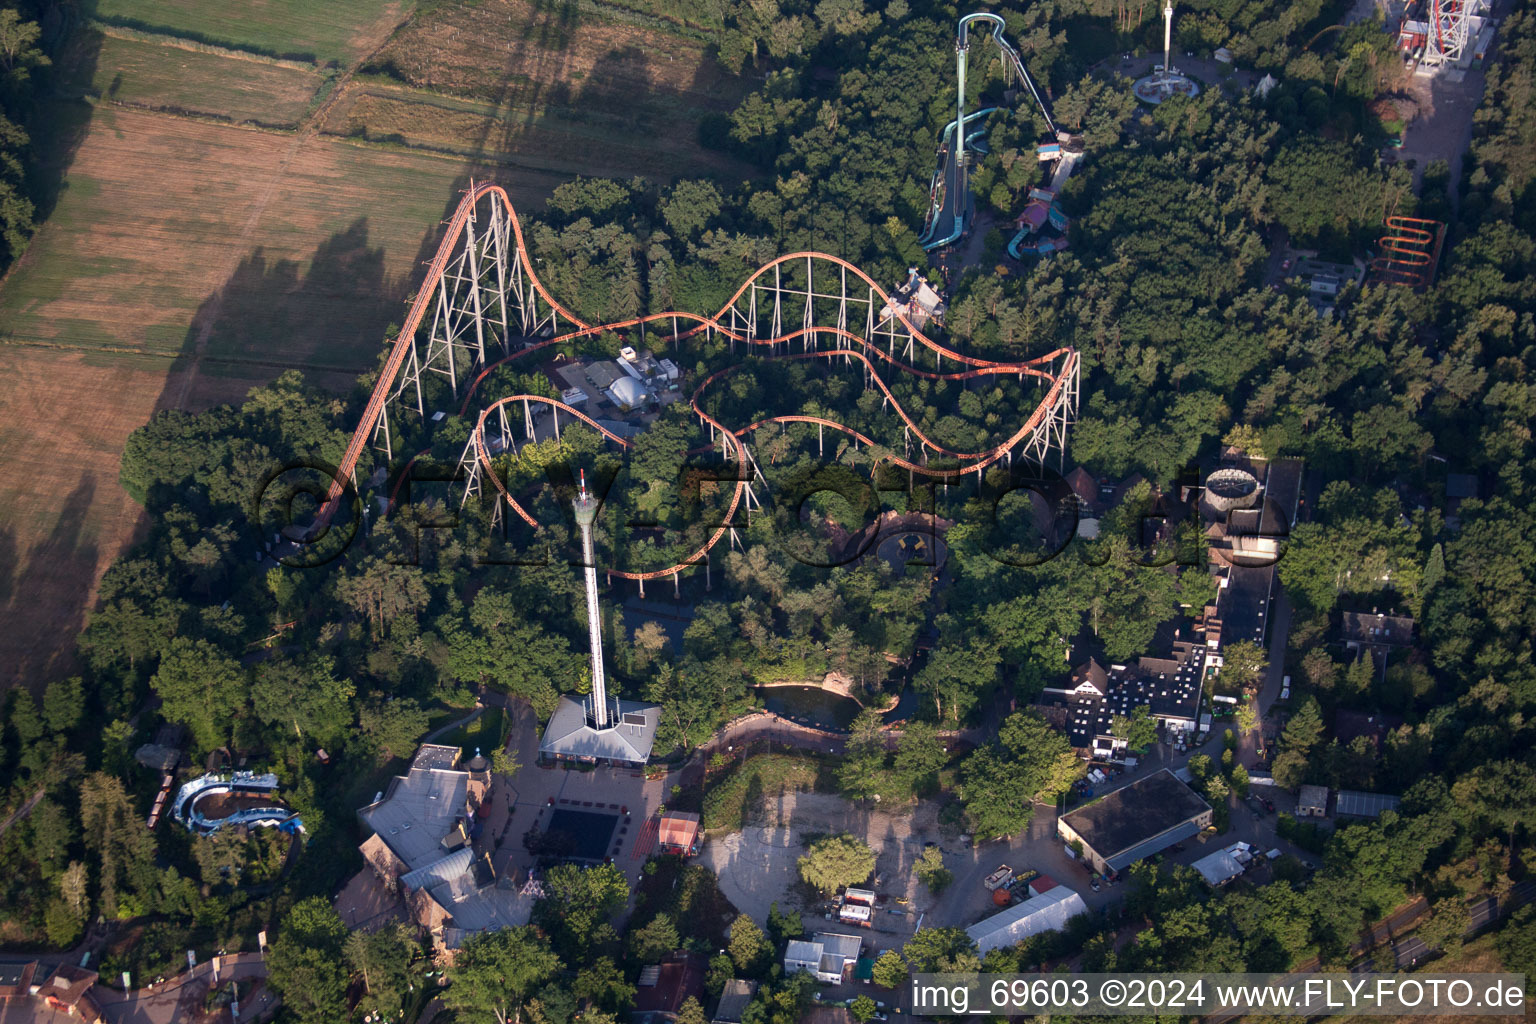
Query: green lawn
x: 487, y: 733
x: 321, y: 30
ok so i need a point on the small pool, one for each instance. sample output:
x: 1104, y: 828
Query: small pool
x: 810, y: 705
x: 581, y: 835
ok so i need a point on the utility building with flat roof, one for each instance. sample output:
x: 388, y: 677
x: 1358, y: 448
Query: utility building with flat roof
x: 1134, y: 822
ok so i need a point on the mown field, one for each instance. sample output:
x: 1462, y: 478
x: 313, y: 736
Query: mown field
x: 164, y: 76
x: 188, y: 259
x: 323, y: 30
x: 543, y: 85
x: 302, y: 248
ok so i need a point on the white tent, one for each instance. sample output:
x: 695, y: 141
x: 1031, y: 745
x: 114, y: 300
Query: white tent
x: 1050, y: 910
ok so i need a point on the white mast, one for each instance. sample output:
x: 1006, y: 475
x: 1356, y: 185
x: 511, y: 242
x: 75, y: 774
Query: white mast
x: 586, y: 514
x: 1168, y: 38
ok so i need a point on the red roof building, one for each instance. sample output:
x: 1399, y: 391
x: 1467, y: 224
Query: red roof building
x: 679, y: 833
x: 663, y: 988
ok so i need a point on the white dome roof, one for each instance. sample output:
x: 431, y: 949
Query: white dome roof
x: 627, y: 392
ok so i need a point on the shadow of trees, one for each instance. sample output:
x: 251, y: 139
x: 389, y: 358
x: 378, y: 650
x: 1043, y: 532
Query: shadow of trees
x: 45, y: 599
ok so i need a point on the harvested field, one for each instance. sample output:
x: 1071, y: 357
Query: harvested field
x: 609, y: 141
x: 301, y: 250
x: 161, y: 214
x: 64, y: 417
x: 329, y: 30
x: 542, y: 78
x: 164, y: 76
x: 150, y: 215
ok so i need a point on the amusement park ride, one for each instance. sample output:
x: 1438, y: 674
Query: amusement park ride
x: 1410, y: 251
x: 1448, y: 32
x: 482, y: 306
x: 1165, y: 82
x: 949, y: 206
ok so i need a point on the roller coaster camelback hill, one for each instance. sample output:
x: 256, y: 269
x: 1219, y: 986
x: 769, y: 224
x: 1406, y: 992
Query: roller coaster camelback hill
x: 482, y: 322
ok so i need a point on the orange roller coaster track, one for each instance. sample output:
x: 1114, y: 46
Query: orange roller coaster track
x: 481, y: 293
x: 1410, y: 251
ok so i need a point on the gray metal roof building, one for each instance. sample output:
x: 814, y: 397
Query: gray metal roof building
x: 1135, y: 821
x: 1050, y: 910
x: 733, y: 1000
x: 1218, y: 868
x: 1364, y: 805
x: 570, y: 735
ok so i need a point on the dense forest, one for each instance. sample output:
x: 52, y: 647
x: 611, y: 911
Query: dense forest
x: 1184, y: 350
x: 24, y: 67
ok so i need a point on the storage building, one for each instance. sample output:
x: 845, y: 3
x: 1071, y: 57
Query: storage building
x: 1050, y: 910
x: 1134, y: 822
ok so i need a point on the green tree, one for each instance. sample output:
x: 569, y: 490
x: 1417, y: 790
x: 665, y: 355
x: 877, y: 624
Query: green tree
x: 749, y: 946
x: 1138, y: 729
x: 890, y: 970
x: 836, y: 862
x: 306, y: 696
x: 382, y: 591
x: 1242, y: 664
x: 496, y: 972
x: 689, y: 207
x: 576, y: 901
x: 653, y: 942
x: 304, y: 964
x: 1240, y: 780
x: 933, y: 950
x: 919, y: 756
x: 1247, y: 715
x: 784, y: 925
x: 956, y: 678
x: 691, y: 1012
x: 61, y: 924
x: 999, y: 784
x: 1448, y: 924
x: 63, y: 704
x: 383, y: 960
x: 602, y: 983
x: 862, y: 773
x: 114, y: 830
x: 201, y: 687
x: 931, y: 871
x: 863, y: 1009
x: 1298, y: 741
x: 392, y: 727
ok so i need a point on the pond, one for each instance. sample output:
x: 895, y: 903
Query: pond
x: 810, y: 705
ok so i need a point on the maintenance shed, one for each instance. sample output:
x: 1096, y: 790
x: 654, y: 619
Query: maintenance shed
x: 1051, y: 909
x: 1134, y: 822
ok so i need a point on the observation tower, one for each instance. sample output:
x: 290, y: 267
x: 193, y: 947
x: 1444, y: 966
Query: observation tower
x: 599, y: 714
x: 1165, y: 81
x: 596, y: 728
